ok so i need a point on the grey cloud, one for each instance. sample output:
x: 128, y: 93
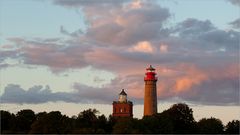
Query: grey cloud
x: 147, y: 14
x: 134, y: 25
x: 215, y: 92
x: 43, y: 40
x: 133, y: 85
x: 80, y: 3
x: 203, y: 33
x: 37, y: 94
x: 193, y: 27
x: 77, y: 33
x: 52, y: 54
x: 104, y: 33
x: 235, y: 2
x: 211, y: 46
x: 95, y: 95
x: 180, y: 51
x: 235, y: 24
x: 228, y: 39
x: 7, y: 54
x: 82, y: 94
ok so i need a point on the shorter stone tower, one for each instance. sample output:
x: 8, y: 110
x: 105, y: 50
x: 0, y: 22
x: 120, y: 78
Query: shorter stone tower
x: 122, y: 107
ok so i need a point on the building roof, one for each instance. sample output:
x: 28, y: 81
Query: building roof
x: 150, y: 68
x: 123, y: 92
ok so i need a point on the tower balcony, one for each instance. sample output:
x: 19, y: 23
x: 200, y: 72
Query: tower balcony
x: 147, y: 78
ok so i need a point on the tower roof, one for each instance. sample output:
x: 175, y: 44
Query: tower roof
x: 123, y: 92
x: 150, y: 68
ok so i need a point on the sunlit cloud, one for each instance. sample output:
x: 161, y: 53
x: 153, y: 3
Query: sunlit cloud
x: 136, y: 4
x: 191, y: 77
x: 143, y: 46
x: 163, y: 48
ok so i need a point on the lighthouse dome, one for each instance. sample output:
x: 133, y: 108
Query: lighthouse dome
x: 122, y: 96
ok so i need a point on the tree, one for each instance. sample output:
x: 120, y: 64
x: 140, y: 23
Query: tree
x: 39, y: 123
x: 165, y: 123
x: 210, y: 126
x: 101, y: 124
x: 151, y: 124
x: 233, y: 127
x: 181, y: 118
x: 123, y: 126
x: 110, y: 123
x: 177, y: 119
x: 86, y: 121
x: 87, y: 117
x: 137, y: 126
x: 7, y: 119
x: 24, y: 120
x: 52, y: 123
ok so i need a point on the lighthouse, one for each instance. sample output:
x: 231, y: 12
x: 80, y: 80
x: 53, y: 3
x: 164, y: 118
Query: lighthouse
x: 122, y: 107
x: 150, y: 94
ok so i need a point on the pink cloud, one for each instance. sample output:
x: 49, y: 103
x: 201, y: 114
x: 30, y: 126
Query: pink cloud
x: 144, y: 46
x: 163, y: 48
x: 136, y: 4
x: 127, y: 23
x: 55, y: 56
x: 191, y: 77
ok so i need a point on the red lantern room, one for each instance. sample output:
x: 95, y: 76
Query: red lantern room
x: 150, y: 74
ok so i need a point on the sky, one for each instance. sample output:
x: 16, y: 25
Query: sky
x: 71, y: 55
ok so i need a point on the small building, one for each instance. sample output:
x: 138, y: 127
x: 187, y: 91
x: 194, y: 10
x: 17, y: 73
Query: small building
x: 122, y: 107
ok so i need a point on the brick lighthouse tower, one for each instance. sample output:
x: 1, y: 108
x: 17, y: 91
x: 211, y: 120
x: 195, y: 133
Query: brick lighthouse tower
x: 150, y: 95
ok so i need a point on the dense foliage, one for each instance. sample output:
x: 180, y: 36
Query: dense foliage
x: 177, y: 119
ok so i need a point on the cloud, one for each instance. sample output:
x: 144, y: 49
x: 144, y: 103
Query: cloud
x: 221, y: 88
x: 73, y: 34
x: 82, y: 94
x: 221, y: 38
x: 222, y: 91
x: 123, y: 37
x: 206, y: 45
x: 214, y: 86
x: 136, y: 4
x: 235, y: 24
x: 235, y: 2
x: 143, y: 46
x: 186, y: 82
x: 54, y: 55
x: 125, y: 24
x: 193, y: 27
x: 36, y: 94
x: 163, y: 48
x: 206, y: 36
x: 5, y: 55
x: 80, y: 3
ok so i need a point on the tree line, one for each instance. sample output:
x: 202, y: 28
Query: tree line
x: 178, y: 119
